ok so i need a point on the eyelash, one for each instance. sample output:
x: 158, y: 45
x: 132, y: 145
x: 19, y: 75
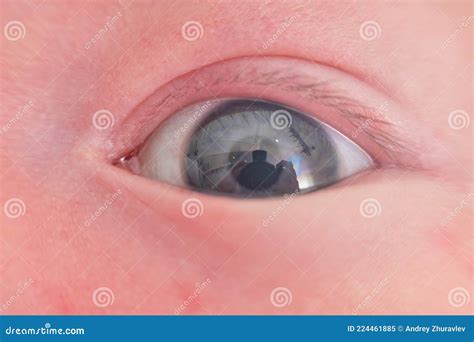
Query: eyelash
x: 370, y: 132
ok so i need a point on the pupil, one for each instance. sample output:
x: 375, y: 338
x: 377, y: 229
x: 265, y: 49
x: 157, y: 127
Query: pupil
x: 259, y: 174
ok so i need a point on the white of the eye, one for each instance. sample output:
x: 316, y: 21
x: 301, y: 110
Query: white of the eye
x: 162, y: 157
x: 351, y: 159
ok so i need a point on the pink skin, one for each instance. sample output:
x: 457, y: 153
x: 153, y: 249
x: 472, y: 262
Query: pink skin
x: 406, y: 260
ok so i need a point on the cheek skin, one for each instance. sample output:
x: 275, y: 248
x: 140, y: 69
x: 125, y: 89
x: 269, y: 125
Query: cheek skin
x: 330, y: 257
x: 151, y: 256
x: 333, y: 262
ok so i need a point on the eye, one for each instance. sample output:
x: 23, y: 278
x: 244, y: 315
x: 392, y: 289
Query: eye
x: 247, y: 148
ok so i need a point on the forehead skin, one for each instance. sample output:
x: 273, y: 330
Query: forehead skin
x: 334, y: 261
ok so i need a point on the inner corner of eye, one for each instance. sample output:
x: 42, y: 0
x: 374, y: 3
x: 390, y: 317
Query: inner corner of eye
x: 247, y: 148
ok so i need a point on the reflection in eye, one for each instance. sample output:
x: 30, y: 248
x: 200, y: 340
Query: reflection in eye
x: 249, y: 148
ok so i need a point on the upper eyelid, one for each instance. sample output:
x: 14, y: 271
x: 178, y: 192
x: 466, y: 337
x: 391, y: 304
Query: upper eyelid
x: 356, y: 114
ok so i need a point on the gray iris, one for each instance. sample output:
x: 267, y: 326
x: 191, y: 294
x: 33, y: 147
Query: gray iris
x: 252, y: 148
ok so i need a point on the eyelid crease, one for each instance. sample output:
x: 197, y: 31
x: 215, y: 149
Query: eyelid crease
x: 365, y: 120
